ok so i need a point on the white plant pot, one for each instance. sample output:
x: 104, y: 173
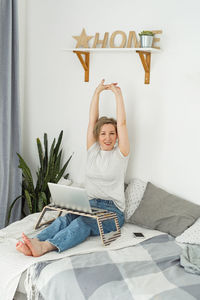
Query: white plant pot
x: 146, y: 41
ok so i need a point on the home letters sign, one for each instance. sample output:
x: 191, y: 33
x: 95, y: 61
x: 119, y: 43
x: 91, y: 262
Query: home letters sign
x: 126, y: 41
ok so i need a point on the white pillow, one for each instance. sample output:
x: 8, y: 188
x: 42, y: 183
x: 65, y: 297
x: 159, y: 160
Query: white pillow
x: 133, y: 195
x: 190, y: 235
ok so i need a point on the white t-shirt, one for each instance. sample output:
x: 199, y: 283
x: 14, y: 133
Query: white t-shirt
x: 105, y: 172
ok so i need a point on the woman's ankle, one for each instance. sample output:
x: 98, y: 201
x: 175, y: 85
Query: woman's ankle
x: 47, y: 247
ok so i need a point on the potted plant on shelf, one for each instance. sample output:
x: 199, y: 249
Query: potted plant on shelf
x: 50, y: 170
x: 146, y: 39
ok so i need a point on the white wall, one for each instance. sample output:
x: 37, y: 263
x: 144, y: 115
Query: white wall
x: 163, y: 117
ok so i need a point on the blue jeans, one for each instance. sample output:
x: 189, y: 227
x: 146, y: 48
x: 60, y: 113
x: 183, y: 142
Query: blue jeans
x: 70, y: 230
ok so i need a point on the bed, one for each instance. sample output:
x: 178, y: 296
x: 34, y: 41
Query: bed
x: 149, y: 270
x: 129, y: 268
x: 14, y: 265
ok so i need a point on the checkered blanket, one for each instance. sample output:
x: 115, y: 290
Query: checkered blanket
x: 149, y: 270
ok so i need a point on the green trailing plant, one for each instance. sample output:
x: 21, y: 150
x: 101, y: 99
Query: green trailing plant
x: 150, y: 33
x: 37, y: 196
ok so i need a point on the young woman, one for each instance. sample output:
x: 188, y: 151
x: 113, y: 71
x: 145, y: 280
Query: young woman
x: 105, y: 172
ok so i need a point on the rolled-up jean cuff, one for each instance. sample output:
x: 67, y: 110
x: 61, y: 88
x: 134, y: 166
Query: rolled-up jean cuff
x: 54, y: 245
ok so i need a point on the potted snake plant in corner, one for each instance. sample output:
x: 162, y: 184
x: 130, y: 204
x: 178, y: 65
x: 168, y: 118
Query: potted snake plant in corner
x: 146, y: 39
x: 37, y: 196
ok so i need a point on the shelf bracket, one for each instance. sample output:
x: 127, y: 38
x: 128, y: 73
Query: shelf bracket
x: 84, y: 62
x: 146, y: 62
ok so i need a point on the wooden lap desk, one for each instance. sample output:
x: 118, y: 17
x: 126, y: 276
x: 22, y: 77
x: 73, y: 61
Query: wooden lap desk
x: 99, y: 216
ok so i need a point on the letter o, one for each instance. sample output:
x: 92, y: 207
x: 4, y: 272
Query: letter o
x: 123, y: 43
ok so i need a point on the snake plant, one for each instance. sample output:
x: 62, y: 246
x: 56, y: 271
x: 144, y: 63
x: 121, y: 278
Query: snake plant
x: 37, y: 196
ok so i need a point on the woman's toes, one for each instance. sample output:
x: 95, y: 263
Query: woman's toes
x: 21, y: 247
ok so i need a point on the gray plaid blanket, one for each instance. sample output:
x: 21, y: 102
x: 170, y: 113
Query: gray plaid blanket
x: 149, y: 270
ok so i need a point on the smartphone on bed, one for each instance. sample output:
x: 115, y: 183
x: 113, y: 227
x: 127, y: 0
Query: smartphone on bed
x: 138, y: 235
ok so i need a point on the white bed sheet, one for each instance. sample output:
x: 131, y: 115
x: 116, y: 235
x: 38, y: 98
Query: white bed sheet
x: 13, y: 263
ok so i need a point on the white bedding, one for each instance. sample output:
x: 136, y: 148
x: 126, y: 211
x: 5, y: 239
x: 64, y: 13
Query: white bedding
x: 13, y: 263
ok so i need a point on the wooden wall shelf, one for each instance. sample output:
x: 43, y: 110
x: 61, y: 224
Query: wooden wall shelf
x: 144, y: 54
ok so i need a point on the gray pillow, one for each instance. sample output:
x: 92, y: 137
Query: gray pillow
x: 164, y: 212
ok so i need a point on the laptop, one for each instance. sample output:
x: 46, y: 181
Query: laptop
x: 70, y: 197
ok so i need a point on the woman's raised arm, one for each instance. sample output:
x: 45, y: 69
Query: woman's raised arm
x: 94, y: 113
x: 123, y: 139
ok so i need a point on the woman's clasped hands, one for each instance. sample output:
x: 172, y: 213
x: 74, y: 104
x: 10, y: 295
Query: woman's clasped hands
x: 111, y: 86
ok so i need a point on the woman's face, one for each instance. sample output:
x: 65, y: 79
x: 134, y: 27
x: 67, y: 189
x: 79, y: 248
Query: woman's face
x: 107, y: 137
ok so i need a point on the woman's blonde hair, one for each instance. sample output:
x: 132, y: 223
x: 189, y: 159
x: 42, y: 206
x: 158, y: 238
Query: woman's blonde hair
x: 102, y: 121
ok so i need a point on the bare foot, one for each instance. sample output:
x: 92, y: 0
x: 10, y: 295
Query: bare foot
x: 21, y: 247
x: 37, y: 247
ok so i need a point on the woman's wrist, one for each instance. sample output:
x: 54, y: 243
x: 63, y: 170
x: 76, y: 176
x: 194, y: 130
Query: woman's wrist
x: 118, y: 96
x: 97, y: 92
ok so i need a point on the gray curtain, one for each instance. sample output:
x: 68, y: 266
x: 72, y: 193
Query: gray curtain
x: 10, y: 175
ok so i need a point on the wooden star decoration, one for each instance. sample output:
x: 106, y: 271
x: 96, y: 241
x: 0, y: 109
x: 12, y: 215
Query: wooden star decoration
x: 82, y: 40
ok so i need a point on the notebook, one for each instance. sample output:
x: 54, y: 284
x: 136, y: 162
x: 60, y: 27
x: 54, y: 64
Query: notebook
x: 70, y: 197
